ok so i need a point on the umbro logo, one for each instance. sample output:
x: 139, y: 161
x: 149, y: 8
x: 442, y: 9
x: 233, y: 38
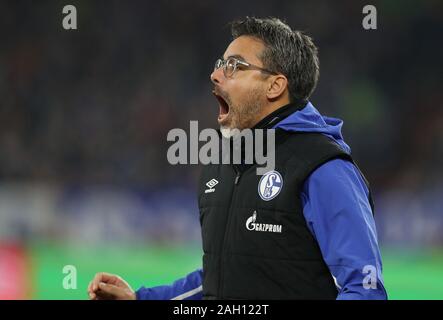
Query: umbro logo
x: 211, y: 184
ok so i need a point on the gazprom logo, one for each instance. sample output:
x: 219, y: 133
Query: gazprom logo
x: 252, y: 225
x: 270, y: 185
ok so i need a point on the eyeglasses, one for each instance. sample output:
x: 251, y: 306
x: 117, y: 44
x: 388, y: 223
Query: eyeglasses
x: 231, y: 64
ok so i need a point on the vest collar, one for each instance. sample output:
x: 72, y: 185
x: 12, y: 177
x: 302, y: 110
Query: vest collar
x: 278, y: 115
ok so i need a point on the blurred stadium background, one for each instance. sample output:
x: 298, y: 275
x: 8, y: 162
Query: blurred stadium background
x: 84, y: 114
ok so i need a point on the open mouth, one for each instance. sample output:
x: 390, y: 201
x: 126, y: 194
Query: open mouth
x: 223, y: 107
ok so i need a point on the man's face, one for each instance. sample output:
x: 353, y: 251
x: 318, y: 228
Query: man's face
x: 241, y: 96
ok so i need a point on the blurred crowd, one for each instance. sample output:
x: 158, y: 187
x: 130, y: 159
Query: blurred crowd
x: 92, y: 107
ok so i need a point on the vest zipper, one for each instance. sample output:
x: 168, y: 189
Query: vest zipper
x: 237, y: 178
x: 228, y: 223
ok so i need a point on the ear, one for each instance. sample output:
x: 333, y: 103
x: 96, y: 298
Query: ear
x: 277, y: 86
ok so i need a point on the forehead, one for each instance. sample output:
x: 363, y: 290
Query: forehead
x: 248, y: 48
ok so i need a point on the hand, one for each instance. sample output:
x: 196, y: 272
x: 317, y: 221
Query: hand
x: 106, y: 286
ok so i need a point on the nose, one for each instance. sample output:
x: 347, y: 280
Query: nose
x: 217, y: 76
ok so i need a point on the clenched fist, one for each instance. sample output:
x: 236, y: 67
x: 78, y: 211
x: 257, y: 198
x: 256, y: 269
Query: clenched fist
x: 106, y: 286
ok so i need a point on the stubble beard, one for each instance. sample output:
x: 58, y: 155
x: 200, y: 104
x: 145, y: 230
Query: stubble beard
x: 245, y: 115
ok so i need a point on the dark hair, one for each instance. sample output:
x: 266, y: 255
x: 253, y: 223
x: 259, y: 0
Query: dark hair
x: 289, y: 52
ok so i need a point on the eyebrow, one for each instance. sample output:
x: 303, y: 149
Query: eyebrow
x: 237, y: 56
